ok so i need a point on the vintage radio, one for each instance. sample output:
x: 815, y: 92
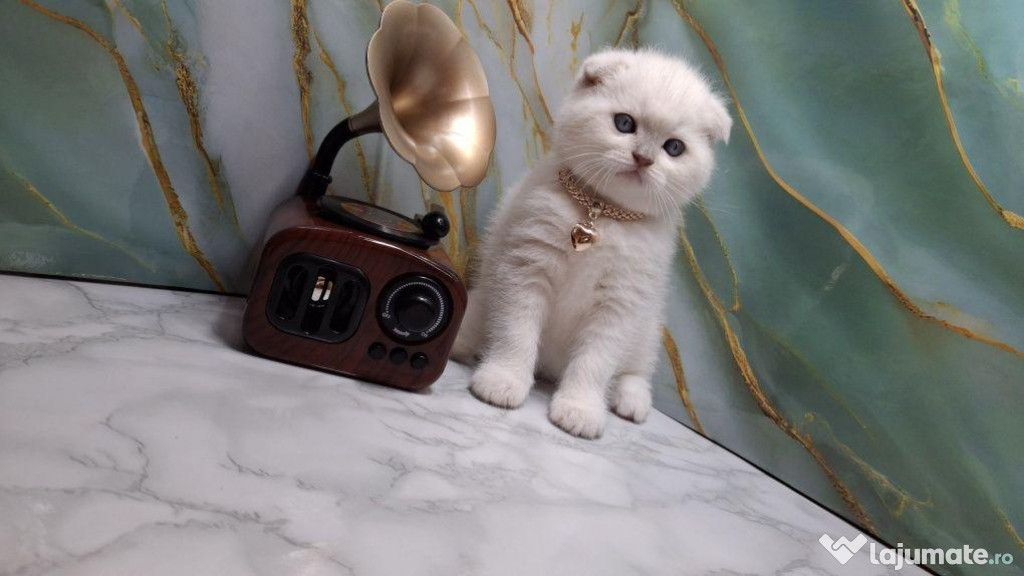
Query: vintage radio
x: 353, y: 288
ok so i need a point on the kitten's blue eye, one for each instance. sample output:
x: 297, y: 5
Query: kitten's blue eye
x: 674, y: 147
x: 624, y: 123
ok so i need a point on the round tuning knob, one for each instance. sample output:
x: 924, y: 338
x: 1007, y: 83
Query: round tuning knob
x: 416, y: 311
x: 414, y: 308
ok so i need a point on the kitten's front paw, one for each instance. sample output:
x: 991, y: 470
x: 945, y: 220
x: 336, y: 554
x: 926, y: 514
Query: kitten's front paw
x: 631, y: 398
x: 579, y: 416
x: 500, y: 386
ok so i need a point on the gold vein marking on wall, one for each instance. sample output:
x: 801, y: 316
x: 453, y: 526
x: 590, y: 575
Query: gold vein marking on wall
x: 178, y: 215
x: 903, y: 498
x: 455, y: 252
x: 848, y: 236
x: 540, y: 96
x: 425, y: 193
x: 951, y: 14
x: 547, y: 20
x: 536, y: 85
x: 629, y: 24
x: 458, y: 17
x: 467, y: 206
x: 754, y: 386
x: 538, y: 131
x: 524, y: 25
x: 574, y: 33
x: 910, y: 6
x: 735, y: 307
x: 1011, y: 530
x: 1010, y: 87
x: 812, y: 373
x: 131, y: 18
x: 303, y: 77
x: 188, y: 90
x: 523, y: 19
x: 499, y: 190
x: 67, y: 223
x: 676, y: 362
x: 364, y: 167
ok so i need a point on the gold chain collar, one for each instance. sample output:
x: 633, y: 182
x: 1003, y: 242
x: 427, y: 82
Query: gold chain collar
x: 566, y: 179
x: 584, y: 234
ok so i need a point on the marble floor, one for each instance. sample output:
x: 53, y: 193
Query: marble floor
x: 139, y: 437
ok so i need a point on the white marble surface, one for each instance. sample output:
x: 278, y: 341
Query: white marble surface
x: 138, y: 437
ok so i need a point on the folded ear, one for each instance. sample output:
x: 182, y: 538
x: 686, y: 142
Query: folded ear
x: 720, y: 123
x: 599, y: 67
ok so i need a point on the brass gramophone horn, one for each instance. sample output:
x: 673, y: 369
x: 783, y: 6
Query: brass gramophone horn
x: 433, y: 104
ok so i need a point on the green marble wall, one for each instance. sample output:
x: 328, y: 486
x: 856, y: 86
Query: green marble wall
x: 849, y: 296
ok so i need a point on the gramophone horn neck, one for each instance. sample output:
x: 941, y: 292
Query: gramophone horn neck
x: 366, y: 121
x: 319, y: 176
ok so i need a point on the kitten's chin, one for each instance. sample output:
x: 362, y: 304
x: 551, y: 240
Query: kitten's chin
x: 628, y: 191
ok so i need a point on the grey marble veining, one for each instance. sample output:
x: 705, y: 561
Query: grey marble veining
x: 137, y: 436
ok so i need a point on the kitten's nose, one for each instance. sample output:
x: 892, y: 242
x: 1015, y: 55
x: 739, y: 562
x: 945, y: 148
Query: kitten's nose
x: 641, y: 160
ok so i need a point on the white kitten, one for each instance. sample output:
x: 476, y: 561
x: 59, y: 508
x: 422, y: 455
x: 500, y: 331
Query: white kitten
x: 591, y: 320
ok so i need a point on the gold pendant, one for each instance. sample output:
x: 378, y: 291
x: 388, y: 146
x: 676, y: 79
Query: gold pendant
x: 583, y: 236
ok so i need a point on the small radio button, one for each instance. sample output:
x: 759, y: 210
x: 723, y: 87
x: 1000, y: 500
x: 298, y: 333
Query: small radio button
x: 419, y: 361
x: 398, y: 356
x: 377, y: 351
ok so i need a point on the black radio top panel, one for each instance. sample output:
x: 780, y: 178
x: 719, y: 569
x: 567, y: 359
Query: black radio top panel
x: 376, y: 220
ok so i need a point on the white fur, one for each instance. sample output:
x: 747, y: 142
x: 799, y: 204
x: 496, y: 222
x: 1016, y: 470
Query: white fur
x: 591, y: 320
